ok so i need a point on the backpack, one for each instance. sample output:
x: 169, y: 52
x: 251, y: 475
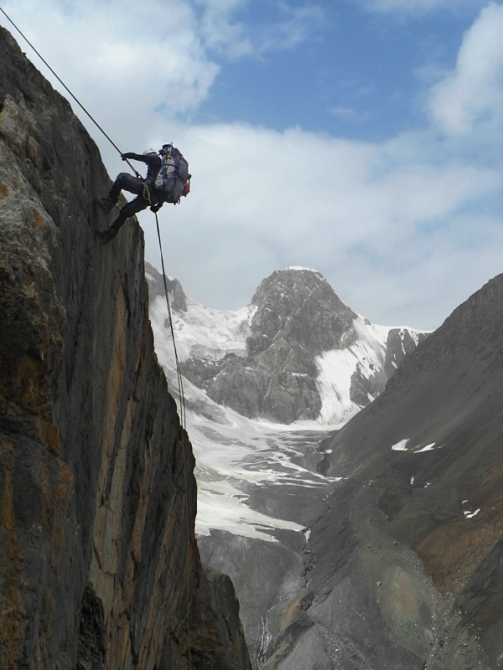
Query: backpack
x: 173, y: 180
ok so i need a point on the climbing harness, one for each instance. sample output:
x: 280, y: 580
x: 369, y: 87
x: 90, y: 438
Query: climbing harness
x: 147, y: 196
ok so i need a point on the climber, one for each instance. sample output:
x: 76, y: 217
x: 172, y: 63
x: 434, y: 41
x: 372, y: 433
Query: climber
x: 167, y: 180
x: 145, y: 190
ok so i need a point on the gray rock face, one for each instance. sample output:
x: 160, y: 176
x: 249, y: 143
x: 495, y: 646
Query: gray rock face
x: 298, y: 317
x: 364, y: 388
x: 96, y: 474
x: 299, y: 306
x: 279, y: 384
x: 156, y: 287
x: 400, y: 343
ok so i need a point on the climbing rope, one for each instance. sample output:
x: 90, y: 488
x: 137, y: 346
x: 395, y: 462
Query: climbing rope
x: 181, y: 395
x: 146, y: 195
x: 170, y: 317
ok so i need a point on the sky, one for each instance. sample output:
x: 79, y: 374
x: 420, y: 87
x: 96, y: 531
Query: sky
x: 360, y: 138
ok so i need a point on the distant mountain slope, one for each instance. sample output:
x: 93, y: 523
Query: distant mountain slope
x: 296, y: 353
x: 424, y: 489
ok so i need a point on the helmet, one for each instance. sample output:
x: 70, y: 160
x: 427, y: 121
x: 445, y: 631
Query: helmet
x: 147, y: 152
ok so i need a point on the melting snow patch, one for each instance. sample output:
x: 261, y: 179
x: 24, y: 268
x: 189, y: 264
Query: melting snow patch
x: 202, y: 332
x: 470, y: 515
x: 429, y: 447
x: 336, y: 368
x: 400, y: 446
x: 228, y: 513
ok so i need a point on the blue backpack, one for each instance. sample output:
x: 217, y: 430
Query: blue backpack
x: 173, y: 180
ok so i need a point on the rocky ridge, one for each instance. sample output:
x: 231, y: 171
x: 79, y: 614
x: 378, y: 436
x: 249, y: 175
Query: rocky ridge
x: 405, y: 564
x: 97, y: 541
x: 298, y: 316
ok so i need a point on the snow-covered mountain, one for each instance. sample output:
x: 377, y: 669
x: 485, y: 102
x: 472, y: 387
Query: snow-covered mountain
x: 296, y: 354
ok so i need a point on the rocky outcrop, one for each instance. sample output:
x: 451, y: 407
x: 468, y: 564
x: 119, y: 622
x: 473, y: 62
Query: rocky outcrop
x: 406, y: 563
x: 297, y: 317
x: 98, y: 560
x: 299, y: 305
x: 155, y: 280
x: 366, y: 387
x: 400, y: 343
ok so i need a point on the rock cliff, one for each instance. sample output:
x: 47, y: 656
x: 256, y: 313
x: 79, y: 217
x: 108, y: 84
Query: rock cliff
x: 99, y: 565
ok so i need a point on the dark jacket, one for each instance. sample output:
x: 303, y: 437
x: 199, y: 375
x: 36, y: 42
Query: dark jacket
x: 153, y: 162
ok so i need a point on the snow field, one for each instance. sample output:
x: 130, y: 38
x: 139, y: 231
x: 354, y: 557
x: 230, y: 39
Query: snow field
x: 233, y: 452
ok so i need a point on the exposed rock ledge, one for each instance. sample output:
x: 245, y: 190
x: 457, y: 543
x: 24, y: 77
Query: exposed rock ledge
x: 98, y: 496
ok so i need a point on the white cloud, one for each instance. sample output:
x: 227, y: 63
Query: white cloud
x: 295, y: 26
x: 219, y: 32
x: 381, y: 224
x: 119, y: 62
x: 233, y: 39
x: 473, y: 93
x: 419, y: 6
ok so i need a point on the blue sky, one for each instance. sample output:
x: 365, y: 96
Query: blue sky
x: 362, y: 138
x: 354, y: 73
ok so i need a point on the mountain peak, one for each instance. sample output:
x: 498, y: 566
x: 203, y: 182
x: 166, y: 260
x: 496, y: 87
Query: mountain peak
x: 299, y: 305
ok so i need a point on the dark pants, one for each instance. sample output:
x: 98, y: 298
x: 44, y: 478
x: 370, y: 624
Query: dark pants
x: 126, y: 182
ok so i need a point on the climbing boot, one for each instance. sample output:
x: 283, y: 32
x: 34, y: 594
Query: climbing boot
x: 107, y: 204
x: 105, y: 236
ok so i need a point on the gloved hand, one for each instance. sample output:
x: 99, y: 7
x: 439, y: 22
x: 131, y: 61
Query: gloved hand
x: 126, y: 156
x: 156, y: 208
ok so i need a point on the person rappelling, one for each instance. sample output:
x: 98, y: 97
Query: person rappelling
x: 167, y: 180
